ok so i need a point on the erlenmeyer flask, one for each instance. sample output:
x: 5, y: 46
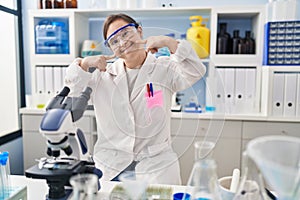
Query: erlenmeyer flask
x: 202, y: 184
x: 251, y: 184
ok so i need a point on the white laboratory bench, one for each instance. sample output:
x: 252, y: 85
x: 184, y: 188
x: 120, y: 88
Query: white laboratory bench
x: 231, y: 132
x: 38, y: 188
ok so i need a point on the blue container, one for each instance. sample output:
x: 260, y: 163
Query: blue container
x: 181, y: 196
x: 52, y: 37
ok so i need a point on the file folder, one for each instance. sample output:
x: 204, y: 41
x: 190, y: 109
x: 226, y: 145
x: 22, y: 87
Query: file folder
x: 229, y: 84
x: 58, y: 80
x: 240, y: 87
x: 49, y: 86
x: 220, y: 91
x: 250, y: 89
x: 278, y: 94
x: 64, y: 70
x: 298, y: 96
x: 40, y: 80
x: 210, y: 91
x: 289, y: 108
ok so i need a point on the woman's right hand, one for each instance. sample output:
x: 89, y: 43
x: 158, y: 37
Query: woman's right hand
x: 95, y: 61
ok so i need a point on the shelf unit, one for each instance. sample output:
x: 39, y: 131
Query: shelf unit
x: 85, y: 24
x: 268, y: 88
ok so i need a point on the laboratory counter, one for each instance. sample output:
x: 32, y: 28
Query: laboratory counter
x: 37, y: 188
x: 205, y: 116
x: 230, y: 132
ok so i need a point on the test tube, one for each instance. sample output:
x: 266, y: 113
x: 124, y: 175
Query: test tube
x: 1, y: 181
x: 4, y: 173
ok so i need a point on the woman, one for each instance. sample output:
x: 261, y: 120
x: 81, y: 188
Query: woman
x: 132, y: 99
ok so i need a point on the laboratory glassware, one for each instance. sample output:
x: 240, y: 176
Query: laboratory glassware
x: 4, y: 175
x: 134, y: 185
x: 223, y: 40
x: 250, y: 43
x: 203, y: 180
x: 236, y: 40
x: 251, y: 185
x: 278, y: 158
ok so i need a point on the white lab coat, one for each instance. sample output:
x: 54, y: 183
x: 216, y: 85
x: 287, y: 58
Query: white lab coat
x: 128, y: 128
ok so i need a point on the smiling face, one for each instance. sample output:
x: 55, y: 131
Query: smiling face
x: 122, y: 37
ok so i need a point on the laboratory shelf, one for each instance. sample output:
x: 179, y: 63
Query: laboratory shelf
x: 149, y: 12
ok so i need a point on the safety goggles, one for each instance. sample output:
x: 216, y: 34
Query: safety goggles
x: 122, y: 34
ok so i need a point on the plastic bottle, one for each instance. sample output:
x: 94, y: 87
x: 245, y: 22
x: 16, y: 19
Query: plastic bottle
x: 223, y: 40
x: 236, y: 39
x: 199, y: 36
x: 250, y: 43
x: 202, y: 184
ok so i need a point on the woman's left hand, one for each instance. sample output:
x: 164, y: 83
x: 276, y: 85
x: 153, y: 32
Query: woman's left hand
x: 153, y: 43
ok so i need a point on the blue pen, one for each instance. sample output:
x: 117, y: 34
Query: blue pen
x: 151, y: 89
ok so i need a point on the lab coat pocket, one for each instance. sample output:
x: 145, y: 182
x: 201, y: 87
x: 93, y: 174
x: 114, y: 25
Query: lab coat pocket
x: 155, y: 100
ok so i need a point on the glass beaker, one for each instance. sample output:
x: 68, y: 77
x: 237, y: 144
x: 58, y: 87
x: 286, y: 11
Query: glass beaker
x: 134, y: 187
x: 85, y: 186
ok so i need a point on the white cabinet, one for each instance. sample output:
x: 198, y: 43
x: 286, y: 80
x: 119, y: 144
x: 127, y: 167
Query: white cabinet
x: 255, y: 129
x: 226, y: 134
x: 226, y: 94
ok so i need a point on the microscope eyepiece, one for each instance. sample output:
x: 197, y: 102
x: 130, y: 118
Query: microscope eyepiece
x: 86, y: 93
x: 64, y: 92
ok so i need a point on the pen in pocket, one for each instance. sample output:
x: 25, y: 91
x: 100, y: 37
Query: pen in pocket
x: 150, y: 90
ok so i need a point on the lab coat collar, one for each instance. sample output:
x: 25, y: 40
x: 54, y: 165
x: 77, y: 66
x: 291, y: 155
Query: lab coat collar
x: 117, y: 67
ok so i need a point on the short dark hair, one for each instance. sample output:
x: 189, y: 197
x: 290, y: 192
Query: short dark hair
x: 111, y: 18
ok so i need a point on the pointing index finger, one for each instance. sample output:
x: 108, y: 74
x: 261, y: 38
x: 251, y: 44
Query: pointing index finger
x: 108, y: 57
x: 141, y: 41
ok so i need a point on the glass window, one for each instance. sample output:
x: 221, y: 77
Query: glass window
x: 12, y: 4
x: 9, y: 85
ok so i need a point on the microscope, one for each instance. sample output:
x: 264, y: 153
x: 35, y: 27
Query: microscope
x: 58, y: 126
